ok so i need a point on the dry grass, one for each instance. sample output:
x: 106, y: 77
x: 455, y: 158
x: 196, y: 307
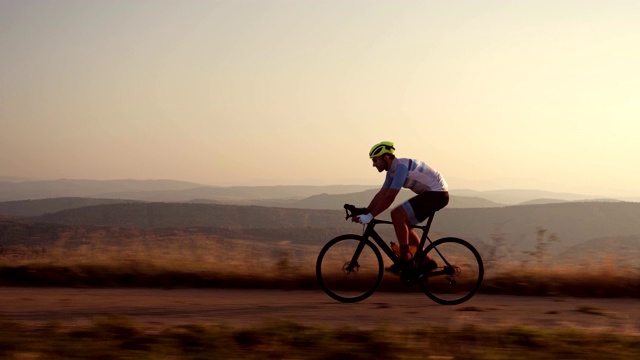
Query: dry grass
x: 590, y: 280
x: 209, y: 261
x: 170, y: 262
x: 204, y: 261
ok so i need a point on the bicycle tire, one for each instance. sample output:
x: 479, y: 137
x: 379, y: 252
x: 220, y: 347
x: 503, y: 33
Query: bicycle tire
x: 457, y: 284
x: 334, y: 276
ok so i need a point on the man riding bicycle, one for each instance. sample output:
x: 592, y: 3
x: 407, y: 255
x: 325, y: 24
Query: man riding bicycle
x: 429, y: 185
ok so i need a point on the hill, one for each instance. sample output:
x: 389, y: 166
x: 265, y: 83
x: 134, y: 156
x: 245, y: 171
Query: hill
x: 511, y: 232
x: 44, y: 206
x: 159, y: 190
x: 336, y: 201
x: 542, y: 202
x: 153, y: 221
x: 230, y: 196
x: 617, y: 251
x: 12, y: 191
x: 515, y: 227
x: 522, y: 196
x: 323, y: 202
x: 282, y: 196
x: 185, y: 215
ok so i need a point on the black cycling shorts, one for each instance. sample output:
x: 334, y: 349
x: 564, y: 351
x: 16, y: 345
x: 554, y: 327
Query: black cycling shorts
x: 422, y: 205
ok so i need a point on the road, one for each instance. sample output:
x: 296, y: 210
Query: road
x: 158, y: 309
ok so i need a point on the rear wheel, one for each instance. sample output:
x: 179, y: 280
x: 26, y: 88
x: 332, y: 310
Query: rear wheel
x: 349, y: 268
x: 457, y: 281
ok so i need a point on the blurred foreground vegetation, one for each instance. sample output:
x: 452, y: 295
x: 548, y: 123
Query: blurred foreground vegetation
x: 212, y: 262
x: 119, y: 338
x: 204, y: 262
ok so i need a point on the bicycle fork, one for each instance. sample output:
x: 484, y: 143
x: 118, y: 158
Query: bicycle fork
x: 353, y: 264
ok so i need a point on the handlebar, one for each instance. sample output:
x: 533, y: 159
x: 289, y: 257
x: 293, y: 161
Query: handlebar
x: 353, y: 211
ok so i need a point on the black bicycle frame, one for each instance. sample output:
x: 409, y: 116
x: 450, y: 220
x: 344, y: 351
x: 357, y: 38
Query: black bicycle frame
x: 370, y: 232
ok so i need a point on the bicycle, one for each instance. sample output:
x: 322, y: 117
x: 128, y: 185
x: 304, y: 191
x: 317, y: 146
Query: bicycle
x: 349, y: 267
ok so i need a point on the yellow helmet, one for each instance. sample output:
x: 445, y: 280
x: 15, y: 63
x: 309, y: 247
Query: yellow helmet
x: 379, y: 149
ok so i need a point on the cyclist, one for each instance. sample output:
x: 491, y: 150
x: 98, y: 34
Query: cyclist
x: 429, y: 185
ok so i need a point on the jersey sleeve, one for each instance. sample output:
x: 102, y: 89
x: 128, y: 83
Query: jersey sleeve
x: 398, y: 179
x: 387, y: 181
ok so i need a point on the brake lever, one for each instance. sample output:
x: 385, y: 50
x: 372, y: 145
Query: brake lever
x: 348, y: 207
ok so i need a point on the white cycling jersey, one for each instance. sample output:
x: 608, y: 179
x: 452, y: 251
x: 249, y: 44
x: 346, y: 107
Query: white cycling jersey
x: 415, y: 175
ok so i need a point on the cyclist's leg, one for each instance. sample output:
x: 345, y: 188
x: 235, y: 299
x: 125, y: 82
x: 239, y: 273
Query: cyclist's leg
x: 421, y: 206
x: 414, y: 238
x: 414, y: 211
x: 401, y: 221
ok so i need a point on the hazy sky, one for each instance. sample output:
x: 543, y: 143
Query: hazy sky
x: 494, y: 94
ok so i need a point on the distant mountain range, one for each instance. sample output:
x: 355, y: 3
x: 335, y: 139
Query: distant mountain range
x: 160, y: 190
x: 573, y: 223
x: 314, y: 214
x: 316, y: 197
x: 31, y: 208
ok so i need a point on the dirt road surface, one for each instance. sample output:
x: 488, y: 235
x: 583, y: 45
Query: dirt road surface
x: 159, y: 309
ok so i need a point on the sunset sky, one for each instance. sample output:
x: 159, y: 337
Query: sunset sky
x: 494, y: 94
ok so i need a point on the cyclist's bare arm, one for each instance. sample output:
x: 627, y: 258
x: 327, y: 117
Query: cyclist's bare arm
x: 383, y: 199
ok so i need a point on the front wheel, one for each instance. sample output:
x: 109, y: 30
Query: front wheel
x: 349, y: 268
x: 458, y: 274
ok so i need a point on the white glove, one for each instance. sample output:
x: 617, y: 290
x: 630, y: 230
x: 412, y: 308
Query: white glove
x: 364, y: 219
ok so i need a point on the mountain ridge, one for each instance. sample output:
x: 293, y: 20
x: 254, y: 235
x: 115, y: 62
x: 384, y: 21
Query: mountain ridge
x: 181, y: 191
x: 580, y: 227
x: 572, y: 222
x: 158, y: 190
